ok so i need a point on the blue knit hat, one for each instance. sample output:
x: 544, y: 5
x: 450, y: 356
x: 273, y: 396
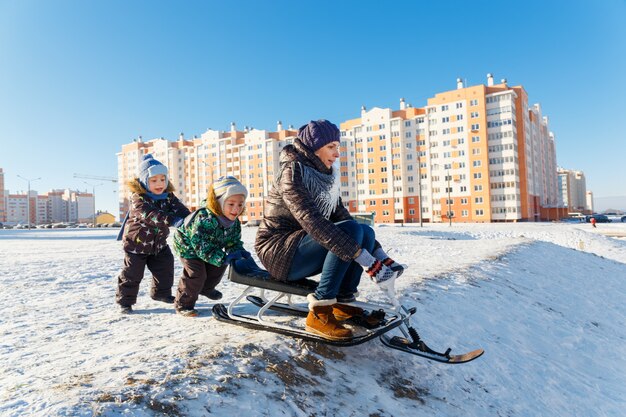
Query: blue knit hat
x: 149, y: 167
x: 317, y: 134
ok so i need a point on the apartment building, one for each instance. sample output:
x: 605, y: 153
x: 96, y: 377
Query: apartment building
x: 250, y: 155
x: 589, y: 199
x: 3, y: 213
x: 573, y: 190
x: 474, y: 154
x: 56, y: 206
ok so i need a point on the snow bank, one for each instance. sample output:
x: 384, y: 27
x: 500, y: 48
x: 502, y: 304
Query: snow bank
x: 545, y: 301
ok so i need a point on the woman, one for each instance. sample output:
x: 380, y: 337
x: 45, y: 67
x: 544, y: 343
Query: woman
x: 307, y: 230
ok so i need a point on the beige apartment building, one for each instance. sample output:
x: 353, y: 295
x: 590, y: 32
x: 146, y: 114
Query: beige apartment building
x: 55, y: 206
x: 250, y: 155
x: 573, y: 188
x: 473, y: 154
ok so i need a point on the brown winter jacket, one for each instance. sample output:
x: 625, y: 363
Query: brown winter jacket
x: 147, y: 226
x: 291, y: 213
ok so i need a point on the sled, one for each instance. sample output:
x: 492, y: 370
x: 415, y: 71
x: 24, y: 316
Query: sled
x: 281, y: 301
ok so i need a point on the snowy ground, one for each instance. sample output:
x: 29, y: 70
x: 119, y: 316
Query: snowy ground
x: 545, y: 301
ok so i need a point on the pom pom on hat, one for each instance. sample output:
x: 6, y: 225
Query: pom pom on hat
x: 317, y: 134
x: 149, y: 167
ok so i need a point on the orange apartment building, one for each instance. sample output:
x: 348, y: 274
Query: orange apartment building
x: 473, y: 154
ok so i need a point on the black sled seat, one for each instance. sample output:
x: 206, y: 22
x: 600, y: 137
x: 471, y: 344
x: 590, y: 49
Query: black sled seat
x: 248, y: 273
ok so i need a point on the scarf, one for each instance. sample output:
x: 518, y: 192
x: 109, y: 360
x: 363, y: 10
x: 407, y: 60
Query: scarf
x: 323, y: 187
x: 161, y: 196
x: 225, y: 221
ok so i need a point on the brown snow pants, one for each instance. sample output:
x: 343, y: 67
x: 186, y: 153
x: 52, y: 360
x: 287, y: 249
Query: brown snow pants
x: 162, y: 267
x: 199, y: 278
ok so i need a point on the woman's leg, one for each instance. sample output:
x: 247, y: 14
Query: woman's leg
x: 353, y: 274
x: 334, y: 269
x: 308, y: 260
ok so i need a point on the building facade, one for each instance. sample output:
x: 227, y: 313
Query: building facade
x: 473, y: 154
x: 56, y: 206
x: 3, y: 213
x: 250, y: 155
x: 573, y: 190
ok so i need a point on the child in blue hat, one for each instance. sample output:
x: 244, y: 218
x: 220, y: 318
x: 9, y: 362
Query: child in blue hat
x: 153, y: 209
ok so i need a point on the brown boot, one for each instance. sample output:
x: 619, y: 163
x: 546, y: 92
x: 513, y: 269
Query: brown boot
x: 360, y: 317
x: 344, y: 312
x: 322, y: 322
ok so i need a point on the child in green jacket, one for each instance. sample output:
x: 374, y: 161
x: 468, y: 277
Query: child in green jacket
x: 208, y: 241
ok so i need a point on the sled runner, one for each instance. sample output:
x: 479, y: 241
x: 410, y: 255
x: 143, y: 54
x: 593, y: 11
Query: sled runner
x: 386, y: 317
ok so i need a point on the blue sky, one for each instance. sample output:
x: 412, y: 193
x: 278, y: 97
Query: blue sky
x: 80, y: 78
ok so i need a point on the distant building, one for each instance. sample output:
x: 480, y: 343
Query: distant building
x: 56, y: 206
x: 573, y: 190
x: 16, y: 208
x: 250, y: 155
x: 3, y: 214
x: 589, y: 200
x: 104, y: 218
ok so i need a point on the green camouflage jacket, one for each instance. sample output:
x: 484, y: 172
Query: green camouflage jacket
x: 205, y: 238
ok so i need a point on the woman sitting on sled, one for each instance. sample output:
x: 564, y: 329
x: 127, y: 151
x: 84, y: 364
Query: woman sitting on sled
x: 306, y: 230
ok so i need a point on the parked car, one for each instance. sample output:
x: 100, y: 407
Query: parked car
x: 615, y: 217
x: 600, y: 218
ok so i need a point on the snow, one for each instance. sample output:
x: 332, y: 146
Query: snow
x: 545, y: 301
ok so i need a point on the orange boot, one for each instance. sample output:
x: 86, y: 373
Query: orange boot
x: 322, y: 322
x: 360, y: 317
x: 344, y: 311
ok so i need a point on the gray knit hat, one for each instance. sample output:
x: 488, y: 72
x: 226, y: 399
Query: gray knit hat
x: 317, y: 134
x: 228, y: 186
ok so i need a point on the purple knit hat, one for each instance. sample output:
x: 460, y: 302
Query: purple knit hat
x: 319, y: 133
